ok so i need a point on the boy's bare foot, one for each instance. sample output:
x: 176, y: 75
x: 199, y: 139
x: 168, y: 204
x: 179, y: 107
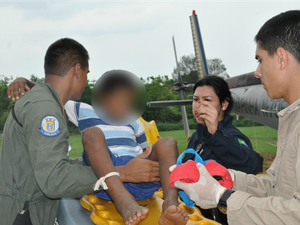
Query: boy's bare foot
x: 131, y: 212
x: 173, y: 215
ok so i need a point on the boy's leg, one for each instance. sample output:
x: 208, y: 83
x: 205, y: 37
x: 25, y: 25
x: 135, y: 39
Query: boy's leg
x: 98, y: 155
x: 165, y: 151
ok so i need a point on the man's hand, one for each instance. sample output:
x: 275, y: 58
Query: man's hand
x: 206, y: 193
x: 19, y: 85
x: 140, y: 169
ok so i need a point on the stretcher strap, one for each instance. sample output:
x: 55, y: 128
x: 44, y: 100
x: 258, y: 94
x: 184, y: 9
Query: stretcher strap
x: 101, y: 181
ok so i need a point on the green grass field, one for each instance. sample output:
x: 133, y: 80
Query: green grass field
x: 263, y: 140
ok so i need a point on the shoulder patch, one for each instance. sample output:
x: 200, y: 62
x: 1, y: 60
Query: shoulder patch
x: 50, y: 126
x: 242, y: 142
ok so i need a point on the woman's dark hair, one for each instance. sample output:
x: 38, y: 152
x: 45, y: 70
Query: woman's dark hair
x: 220, y: 87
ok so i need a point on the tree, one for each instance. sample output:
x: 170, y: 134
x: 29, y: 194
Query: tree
x: 87, y: 93
x: 189, y: 71
x: 217, y: 68
x: 5, y: 103
x: 35, y: 78
x: 161, y: 89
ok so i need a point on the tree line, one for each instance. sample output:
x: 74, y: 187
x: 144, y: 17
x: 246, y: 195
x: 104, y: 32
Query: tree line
x: 159, y: 88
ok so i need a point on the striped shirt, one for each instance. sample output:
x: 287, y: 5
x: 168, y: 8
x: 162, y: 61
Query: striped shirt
x: 121, y: 140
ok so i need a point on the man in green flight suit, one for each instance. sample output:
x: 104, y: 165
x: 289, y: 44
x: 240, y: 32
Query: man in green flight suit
x: 34, y: 166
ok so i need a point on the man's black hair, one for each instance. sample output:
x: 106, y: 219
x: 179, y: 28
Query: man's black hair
x: 283, y: 31
x: 63, y: 54
x: 220, y: 87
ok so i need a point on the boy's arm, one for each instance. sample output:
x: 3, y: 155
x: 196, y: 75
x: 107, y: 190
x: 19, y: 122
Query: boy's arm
x: 20, y: 84
x: 93, y: 141
x: 137, y: 170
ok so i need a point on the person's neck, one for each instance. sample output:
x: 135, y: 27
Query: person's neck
x: 292, y: 95
x: 291, y: 82
x: 60, y: 86
x: 292, y: 90
x: 221, y: 117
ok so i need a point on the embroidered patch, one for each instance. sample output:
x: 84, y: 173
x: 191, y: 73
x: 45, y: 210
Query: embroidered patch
x: 242, y: 142
x: 50, y: 126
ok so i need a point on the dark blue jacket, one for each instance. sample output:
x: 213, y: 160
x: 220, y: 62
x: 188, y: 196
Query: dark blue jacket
x: 228, y: 146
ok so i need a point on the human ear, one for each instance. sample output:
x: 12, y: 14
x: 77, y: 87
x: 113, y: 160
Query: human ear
x: 225, y: 104
x: 282, y: 57
x: 77, y: 70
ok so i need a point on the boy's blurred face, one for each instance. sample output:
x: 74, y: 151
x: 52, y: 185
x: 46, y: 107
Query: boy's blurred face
x: 119, y: 103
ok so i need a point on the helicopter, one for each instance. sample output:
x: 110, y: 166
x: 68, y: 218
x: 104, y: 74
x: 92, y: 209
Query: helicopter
x: 250, y: 100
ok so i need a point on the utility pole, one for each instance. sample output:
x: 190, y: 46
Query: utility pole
x: 180, y: 89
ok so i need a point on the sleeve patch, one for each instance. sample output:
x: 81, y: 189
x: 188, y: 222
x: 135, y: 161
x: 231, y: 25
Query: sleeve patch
x: 50, y: 126
x: 242, y: 142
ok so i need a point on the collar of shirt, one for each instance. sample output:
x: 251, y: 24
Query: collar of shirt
x: 293, y: 107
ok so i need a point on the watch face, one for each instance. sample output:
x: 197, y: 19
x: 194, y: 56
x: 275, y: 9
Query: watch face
x: 222, y: 209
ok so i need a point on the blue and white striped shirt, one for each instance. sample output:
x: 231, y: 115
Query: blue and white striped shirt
x: 121, y: 140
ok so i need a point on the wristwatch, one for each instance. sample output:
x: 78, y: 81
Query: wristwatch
x: 222, y: 205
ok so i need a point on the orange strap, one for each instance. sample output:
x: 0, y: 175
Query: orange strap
x: 63, y: 108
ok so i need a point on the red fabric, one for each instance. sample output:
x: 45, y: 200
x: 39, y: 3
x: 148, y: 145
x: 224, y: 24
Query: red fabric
x: 216, y: 169
x: 186, y: 172
x: 189, y: 173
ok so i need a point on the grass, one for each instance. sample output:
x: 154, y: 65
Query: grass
x: 263, y: 140
x: 76, y: 144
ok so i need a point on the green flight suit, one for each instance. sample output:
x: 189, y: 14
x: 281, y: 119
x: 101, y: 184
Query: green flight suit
x: 34, y: 165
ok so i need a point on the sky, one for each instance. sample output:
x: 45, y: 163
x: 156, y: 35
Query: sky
x: 132, y: 35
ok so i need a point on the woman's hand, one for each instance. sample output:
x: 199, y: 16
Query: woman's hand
x: 19, y: 85
x: 209, y: 114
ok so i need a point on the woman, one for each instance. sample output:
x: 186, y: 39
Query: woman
x: 215, y: 136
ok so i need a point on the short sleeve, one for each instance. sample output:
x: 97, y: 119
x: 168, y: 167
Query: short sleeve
x: 71, y: 112
x: 140, y: 135
x: 82, y: 115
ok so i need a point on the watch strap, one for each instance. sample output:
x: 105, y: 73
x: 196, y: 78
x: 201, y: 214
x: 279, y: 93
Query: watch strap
x: 224, y: 198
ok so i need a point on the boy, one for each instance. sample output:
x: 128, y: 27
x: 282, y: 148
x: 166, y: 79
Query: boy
x: 115, y: 94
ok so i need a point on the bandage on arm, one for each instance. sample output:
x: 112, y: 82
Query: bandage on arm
x: 101, y: 182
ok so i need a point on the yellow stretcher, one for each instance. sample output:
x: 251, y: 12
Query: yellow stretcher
x: 151, y: 131
x: 104, y: 212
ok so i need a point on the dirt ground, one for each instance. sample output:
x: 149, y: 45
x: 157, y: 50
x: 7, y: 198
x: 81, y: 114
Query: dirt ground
x: 268, y: 159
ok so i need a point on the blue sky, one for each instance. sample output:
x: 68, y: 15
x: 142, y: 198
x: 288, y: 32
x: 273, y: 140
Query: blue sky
x: 132, y: 35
